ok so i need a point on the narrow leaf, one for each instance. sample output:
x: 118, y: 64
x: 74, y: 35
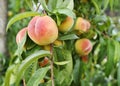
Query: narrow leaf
x: 106, y: 2
x: 96, y: 6
x: 62, y: 63
x: 19, y: 17
x: 67, y: 12
x: 69, y: 37
x: 118, y: 74
x: 117, y: 52
x: 27, y: 62
x: 111, y: 4
x: 37, y: 76
x: 110, y: 56
x: 29, y: 3
x: 76, y: 72
x: 8, y: 75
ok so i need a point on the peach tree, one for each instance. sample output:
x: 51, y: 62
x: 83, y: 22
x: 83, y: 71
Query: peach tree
x: 65, y: 43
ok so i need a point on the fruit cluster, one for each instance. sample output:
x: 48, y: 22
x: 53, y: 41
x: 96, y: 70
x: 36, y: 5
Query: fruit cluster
x: 43, y: 31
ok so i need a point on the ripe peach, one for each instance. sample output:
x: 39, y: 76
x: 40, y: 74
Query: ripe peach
x: 81, y: 25
x: 83, y: 46
x: 66, y: 24
x: 20, y: 35
x: 42, y: 30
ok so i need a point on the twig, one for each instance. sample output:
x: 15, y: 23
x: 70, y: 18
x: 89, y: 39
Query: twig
x: 38, y: 7
x: 24, y: 84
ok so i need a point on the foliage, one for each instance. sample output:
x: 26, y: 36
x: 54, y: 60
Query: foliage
x: 102, y: 67
x: 4, y: 62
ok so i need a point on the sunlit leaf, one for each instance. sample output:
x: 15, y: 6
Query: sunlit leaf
x: 61, y: 63
x: 70, y: 5
x: 69, y: 37
x: 117, y: 52
x: 8, y: 75
x: 67, y: 12
x: 19, y: 17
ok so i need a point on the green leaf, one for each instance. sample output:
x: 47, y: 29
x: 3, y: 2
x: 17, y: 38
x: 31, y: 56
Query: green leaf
x: 29, y: 3
x: 64, y: 77
x: 76, y: 72
x: 8, y: 75
x: 118, y: 74
x: 52, y: 4
x: 110, y: 56
x: 100, y: 18
x: 27, y: 62
x: 96, y: 6
x: 37, y: 76
x: 68, y: 68
x: 111, y: 4
x: 70, y: 5
x: 117, y: 52
x: 66, y: 12
x: 69, y: 37
x: 62, y: 63
x: 44, y: 5
x: 30, y: 70
x: 19, y: 17
x: 59, y: 3
x: 106, y: 2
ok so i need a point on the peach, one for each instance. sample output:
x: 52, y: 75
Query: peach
x: 20, y: 35
x: 83, y: 46
x: 42, y: 30
x: 66, y: 24
x: 58, y: 43
x: 44, y: 62
x: 81, y: 25
x: 46, y: 47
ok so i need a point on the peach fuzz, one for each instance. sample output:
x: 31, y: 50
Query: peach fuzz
x: 66, y: 24
x: 81, y: 25
x: 83, y: 46
x: 42, y: 30
x: 20, y: 35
